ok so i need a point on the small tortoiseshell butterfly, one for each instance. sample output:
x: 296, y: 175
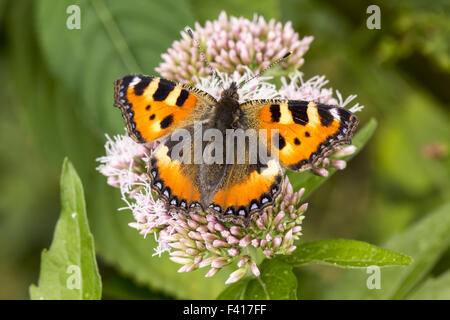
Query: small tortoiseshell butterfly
x: 154, y: 108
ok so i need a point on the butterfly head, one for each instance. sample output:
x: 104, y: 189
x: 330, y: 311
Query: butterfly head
x: 231, y: 92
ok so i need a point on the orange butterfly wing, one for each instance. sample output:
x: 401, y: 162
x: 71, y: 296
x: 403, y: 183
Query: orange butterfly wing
x: 306, y: 132
x: 248, y: 190
x: 173, y: 181
x: 154, y: 107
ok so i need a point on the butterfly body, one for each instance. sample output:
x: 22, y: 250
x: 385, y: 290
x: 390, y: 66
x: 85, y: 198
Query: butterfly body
x: 209, y: 174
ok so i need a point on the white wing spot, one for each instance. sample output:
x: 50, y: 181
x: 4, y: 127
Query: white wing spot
x: 335, y: 114
x: 135, y: 81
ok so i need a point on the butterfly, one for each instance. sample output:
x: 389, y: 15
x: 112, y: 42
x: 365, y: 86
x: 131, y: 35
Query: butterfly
x: 155, y: 108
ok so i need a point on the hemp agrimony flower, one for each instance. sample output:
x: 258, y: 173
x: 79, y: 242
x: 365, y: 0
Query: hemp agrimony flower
x: 234, y: 44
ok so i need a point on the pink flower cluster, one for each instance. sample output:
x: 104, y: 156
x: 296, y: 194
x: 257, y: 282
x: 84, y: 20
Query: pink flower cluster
x: 232, y: 44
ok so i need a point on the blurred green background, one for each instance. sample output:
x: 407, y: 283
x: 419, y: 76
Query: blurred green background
x: 56, y: 98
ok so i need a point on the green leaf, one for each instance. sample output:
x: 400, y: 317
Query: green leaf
x: 69, y: 269
x: 311, y: 182
x: 345, y: 253
x: 234, y: 291
x: 276, y: 282
x: 425, y: 242
x: 311, y: 283
x: 433, y: 289
x: 115, y: 38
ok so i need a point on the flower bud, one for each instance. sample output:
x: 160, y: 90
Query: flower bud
x: 211, y: 272
x: 219, y: 262
x: 344, y: 152
x: 321, y: 172
x: 245, y: 241
x: 236, y: 231
x: 254, y: 268
x: 236, y: 275
x: 233, y: 252
x: 180, y: 260
x: 339, y: 164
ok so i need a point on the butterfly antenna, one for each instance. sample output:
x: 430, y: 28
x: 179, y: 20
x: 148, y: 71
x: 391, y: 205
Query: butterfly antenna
x: 213, y: 71
x: 266, y: 68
